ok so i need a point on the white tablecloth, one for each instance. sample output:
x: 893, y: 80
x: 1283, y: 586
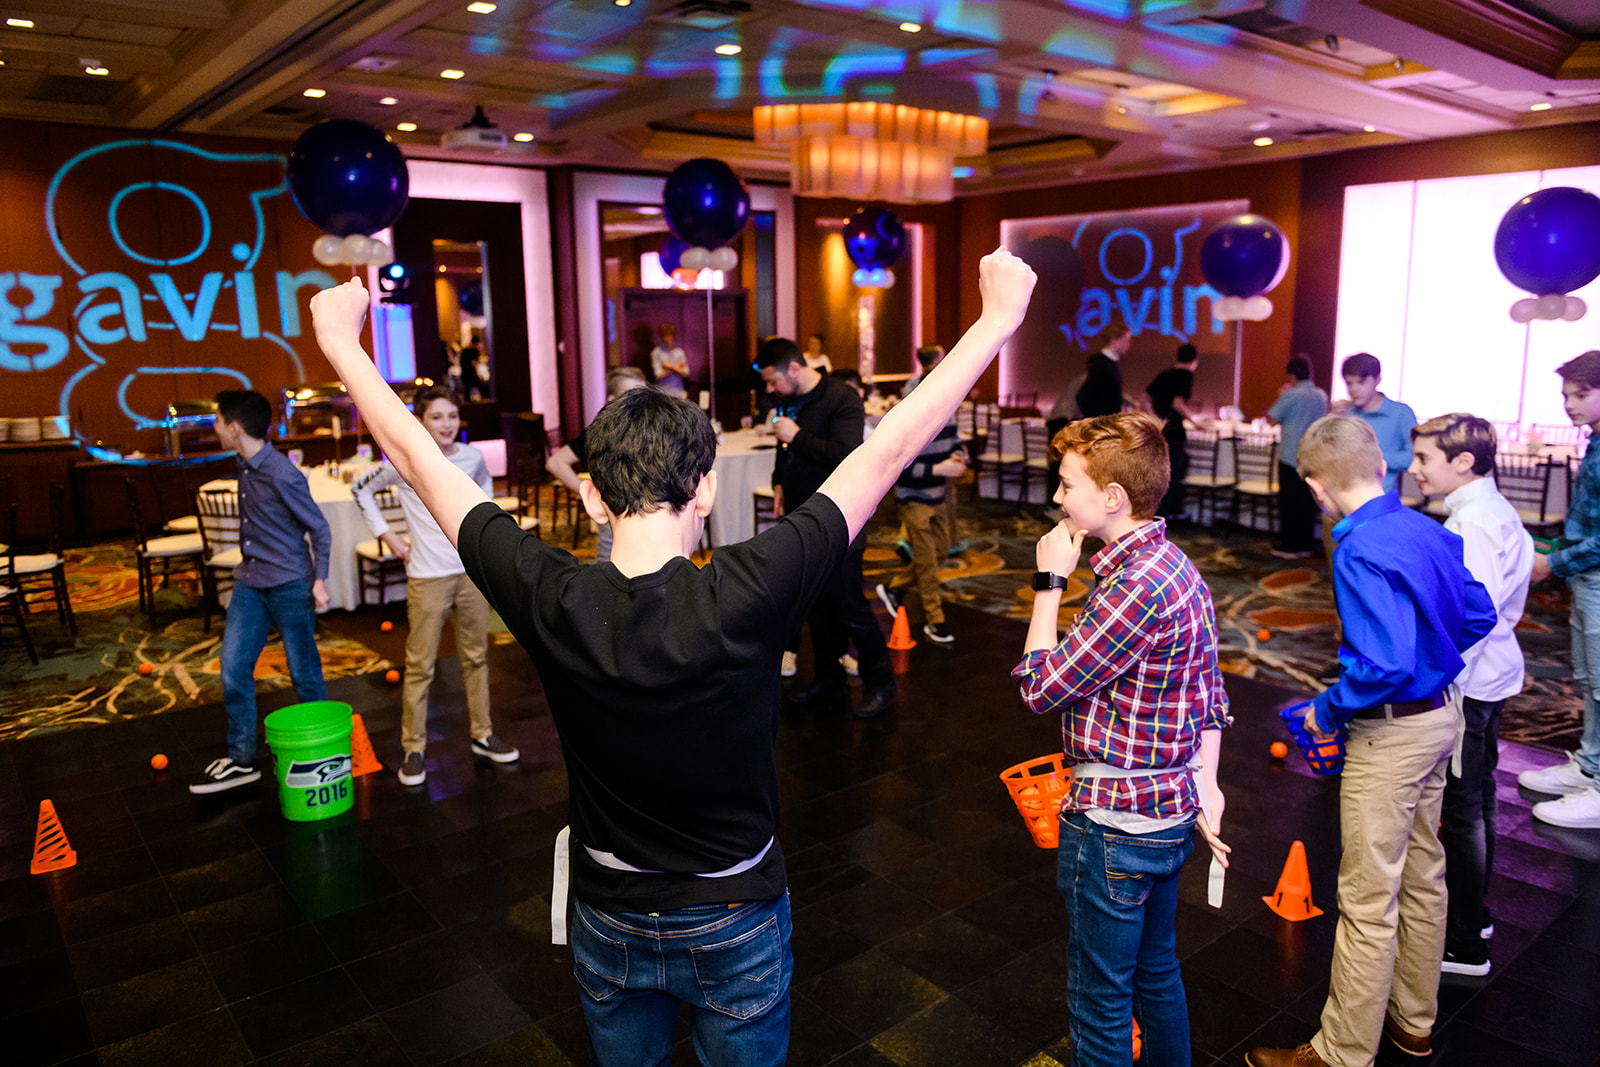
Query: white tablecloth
x: 345, y: 524
x: 742, y: 467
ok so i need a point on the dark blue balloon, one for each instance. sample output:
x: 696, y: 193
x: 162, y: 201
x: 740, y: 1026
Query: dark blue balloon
x: 347, y: 177
x: 1549, y: 242
x: 874, y: 237
x: 705, y: 203
x: 1244, y: 255
x: 672, y: 250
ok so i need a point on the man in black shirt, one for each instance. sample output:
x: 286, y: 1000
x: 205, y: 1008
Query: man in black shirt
x: 663, y: 682
x: 1101, y: 392
x: 1168, y: 392
x: 819, y: 420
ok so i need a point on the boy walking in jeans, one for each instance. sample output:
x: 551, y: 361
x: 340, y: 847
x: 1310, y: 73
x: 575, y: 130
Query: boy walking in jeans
x: 1454, y: 455
x: 1142, y: 711
x: 277, y: 583
x: 1409, y: 609
x: 1576, y: 783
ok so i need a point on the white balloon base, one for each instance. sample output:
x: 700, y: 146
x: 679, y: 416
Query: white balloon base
x: 1550, y: 307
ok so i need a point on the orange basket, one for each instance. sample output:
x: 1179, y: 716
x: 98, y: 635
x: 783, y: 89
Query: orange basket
x: 1037, y: 787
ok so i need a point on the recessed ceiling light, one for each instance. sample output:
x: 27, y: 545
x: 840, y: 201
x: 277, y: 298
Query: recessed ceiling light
x: 452, y: 74
x: 407, y: 127
x: 389, y: 101
x: 911, y: 27
x: 1262, y: 142
x: 1539, y: 107
x: 1369, y: 129
x: 480, y: 9
x: 98, y: 72
x: 622, y: 3
x: 20, y: 24
x: 523, y: 137
x: 733, y: 50
x: 315, y: 94
x: 441, y: 270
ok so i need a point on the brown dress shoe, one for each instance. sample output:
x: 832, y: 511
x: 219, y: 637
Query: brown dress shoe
x: 1418, y: 1045
x: 1304, y: 1056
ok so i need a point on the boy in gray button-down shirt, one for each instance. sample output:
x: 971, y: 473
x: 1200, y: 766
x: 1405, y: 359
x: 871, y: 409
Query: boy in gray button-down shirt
x: 276, y: 584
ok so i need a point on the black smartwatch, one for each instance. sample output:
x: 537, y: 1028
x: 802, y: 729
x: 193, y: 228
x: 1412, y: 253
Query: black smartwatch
x: 1045, y: 580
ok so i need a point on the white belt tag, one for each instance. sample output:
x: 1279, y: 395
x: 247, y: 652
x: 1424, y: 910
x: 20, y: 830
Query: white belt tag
x: 560, y: 884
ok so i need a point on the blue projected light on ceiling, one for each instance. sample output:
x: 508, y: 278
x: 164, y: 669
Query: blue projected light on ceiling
x: 845, y: 67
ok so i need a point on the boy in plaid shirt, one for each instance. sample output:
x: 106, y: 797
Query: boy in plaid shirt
x: 1142, y: 710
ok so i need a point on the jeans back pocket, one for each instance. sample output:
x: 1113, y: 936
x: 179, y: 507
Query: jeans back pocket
x: 743, y: 977
x: 600, y: 963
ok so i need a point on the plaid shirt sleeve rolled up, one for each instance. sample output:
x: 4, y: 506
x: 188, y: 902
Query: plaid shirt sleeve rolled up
x: 1135, y: 679
x: 1580, y: 537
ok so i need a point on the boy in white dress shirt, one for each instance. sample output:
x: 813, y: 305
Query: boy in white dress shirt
x: 1454, y: 455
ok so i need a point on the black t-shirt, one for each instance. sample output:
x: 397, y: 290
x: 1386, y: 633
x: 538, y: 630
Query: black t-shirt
x: 832, y: 422
x: 665, y: 692
x: 1172, y: 382
x: 1101, y: 392
x: 580, y: 446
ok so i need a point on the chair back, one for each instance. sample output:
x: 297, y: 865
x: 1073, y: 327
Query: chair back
x: 141, y: 533
x: 1204, y: 447
x: 1555, y: 434
x: 1255, y: 458
x: 1525, y: 482
x: 388, y: 502
x: 219, y: 520
x: 1035, y: 440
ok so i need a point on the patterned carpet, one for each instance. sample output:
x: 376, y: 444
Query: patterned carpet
x: 1275, y: 620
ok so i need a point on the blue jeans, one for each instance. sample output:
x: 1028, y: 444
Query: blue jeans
x: 1586, y: 664
x: 731, y: 964
x: 1121, y: 891
x: 251, y: 613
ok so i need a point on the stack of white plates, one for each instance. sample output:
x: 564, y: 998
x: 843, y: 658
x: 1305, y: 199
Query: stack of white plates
x: 53, y: 428
x: 24, y: 429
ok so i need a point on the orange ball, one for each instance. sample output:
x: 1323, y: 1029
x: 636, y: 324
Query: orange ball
x: 1278, y: 750
x: 393, y: 677
x: 1263, y: 634
x: 386, y: 626
x: 145, y: 668
x: 158, y: 762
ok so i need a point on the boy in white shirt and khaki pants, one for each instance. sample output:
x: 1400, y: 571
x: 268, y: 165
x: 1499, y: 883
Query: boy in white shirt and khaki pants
x: 1454, y: 455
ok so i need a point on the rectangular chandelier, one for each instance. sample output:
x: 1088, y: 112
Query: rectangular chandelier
x: 871, y: 151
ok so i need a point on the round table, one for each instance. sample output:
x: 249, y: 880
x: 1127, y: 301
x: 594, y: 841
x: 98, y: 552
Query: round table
x: 744, y: 464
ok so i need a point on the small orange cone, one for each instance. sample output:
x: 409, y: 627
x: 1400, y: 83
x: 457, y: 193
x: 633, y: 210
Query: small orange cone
x: 1138, y: 1042
x: 50, y: 849
x: 1292, y: 900
x: 900, y: 636
x: 361, y: 754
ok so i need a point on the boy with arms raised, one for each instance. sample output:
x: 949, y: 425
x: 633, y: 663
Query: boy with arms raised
x: 663, y: 682
x: 1142, y: 709
x: 1409, y: 608
x: 1454, y: 455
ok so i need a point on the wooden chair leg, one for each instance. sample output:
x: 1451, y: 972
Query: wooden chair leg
x: 64, y: 602
x: 22, y: 627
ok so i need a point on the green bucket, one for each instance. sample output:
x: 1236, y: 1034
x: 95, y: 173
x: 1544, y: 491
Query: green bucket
x: 311, y: 750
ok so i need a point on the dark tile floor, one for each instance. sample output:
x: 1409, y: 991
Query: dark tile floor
x: 927, y: 926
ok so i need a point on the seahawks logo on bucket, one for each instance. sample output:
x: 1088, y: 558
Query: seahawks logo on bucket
x: 309, y: 775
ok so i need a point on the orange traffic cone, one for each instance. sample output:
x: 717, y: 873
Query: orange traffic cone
x: 361, y: 754
x: 1138, y: 1042
x: 1292, y: 900
x: 50, y: 849
x: 900, y: 636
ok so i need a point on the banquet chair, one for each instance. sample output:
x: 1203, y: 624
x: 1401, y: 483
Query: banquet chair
x: 1525, y: 482
x: 764, y: 509
x: 42, y: 575
x: 1550, y: 433
x: 1256, y: 478
x: 218, y: 512
x: 181, y: 552
x: 1206, y: 481
x: 376, y: 566
x: 182, y: 524
x: 10, y: 595
x: 1036, y: 459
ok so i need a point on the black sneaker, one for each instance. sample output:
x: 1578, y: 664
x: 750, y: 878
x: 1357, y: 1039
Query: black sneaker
x: 221, y: 774
x: 890, y: 598
x: 1476, y: 966
x: 935, y: 632
x: 413, y: 770
x: 875, y: 702
x: 492, y: 747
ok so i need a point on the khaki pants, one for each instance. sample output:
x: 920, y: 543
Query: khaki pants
x: 428, y: 602
x: 1390, y: 939
x: 928, y: 533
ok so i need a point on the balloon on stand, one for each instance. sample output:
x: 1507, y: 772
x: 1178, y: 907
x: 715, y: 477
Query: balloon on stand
x: 1549, y: 241
x: 1243, y: 256
x: 874, y: 237
x: 380, y: 253
x: 347, y: 177
x: 705, y: 203
x: 1257, y: 309
x: 1228, y: 309
x: 327, y: 250
x: 1525, y: 310
x: 1575, y: 309
x: 672, y: 250
x: 724, y: 259
x: 696, y: 258
x: 357, y: 247
x: 861, y: 277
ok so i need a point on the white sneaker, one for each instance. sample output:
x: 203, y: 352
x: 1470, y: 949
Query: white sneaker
x: 1562, y: 780
x: 851, y: 667
x: 1580, y: 811
x: 789, y: 667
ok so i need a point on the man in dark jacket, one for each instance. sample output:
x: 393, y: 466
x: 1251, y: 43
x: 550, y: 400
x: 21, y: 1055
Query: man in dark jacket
x: 1101, y: 392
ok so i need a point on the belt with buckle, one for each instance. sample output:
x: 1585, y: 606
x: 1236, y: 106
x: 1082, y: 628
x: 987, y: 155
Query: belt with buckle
x: 1402, y: 709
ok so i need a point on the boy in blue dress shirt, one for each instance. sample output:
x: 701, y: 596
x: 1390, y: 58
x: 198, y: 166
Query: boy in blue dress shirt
x: 275, y: 585
x: 1409, y: 609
